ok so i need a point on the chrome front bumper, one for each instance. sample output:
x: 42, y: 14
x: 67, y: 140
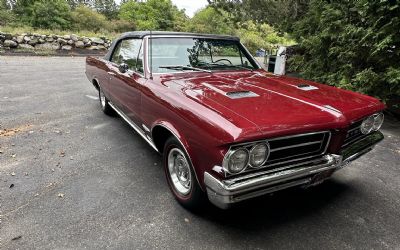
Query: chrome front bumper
x: 223, y: 193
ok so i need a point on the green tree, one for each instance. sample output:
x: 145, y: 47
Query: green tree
x: 53, y: 14
x: 280, y: 14
x: 208, y: 20
x: 150, y: 15
x: 23, y: 10
x: 255, y: 36
x: 5, y: 13
x: 352, y: 44
x: 75, y: 3
x: 106, y: 7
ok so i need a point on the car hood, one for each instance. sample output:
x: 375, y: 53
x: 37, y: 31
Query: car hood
x: 276, y: 104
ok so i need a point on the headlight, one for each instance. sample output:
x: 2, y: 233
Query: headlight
x: 237, y: 160
x: 378, y: 121
x: 367, y: 125
x: 258, y: 155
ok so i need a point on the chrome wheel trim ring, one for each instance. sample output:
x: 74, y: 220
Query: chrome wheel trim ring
x: 179, y: 171
x: 102, y: 99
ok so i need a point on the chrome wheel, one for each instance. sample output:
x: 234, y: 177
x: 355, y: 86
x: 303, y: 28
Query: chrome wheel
x: 179, y: 171
x: 102, y: 99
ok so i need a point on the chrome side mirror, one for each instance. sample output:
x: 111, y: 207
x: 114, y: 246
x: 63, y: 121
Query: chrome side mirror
x: 123, y: 67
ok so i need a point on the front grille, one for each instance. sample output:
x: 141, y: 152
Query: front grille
x: 353, y: 133
x: 301, y: 146
x: 294, y: 150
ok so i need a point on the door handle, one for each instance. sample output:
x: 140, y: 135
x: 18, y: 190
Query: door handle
x: 111, y: 73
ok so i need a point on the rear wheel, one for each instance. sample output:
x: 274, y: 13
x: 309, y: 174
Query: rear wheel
x: 104, y: 103
x: 181, y: 177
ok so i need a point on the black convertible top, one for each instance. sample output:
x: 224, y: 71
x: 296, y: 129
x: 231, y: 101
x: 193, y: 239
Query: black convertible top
x: 141, y: 34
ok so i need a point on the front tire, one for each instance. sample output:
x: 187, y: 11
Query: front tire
x: 181, y: 177
x: 104, y: 104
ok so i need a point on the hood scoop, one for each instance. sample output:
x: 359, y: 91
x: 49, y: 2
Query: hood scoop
x: 240, y: 94
x: 230, y: 91
x: 306, y: 87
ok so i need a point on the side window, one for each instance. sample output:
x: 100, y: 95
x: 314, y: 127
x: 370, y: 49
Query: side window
x: 127, y: 51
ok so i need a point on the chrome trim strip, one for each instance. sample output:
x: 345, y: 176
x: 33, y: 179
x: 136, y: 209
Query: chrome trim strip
x: 354, y: 139
x: 348, y: 131
x: 280, y: 138
x: 145, y: 128
x: 267, y: 171
x: 272, y: 189
x: 297, y: 145
x: 134, y: 126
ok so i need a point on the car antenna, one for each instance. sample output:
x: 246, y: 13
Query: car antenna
x: 151, y: 56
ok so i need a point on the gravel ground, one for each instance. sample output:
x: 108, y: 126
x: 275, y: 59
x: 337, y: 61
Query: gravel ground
x: 71, y: 177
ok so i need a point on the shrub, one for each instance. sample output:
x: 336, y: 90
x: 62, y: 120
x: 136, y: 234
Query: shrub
x: 84, y: 18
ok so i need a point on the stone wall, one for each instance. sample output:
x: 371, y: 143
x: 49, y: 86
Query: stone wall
x: 30, y: 41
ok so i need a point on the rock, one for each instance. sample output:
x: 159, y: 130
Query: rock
x: 70, y: 42
x: 88, y: 44
x: 61, y: 41
x: 101, y: 47
x: 20, y: 39
x: 93, y: 48
x: 10, y: 44
x: 66, y: 47
x: 41, y: 40
x: 86, y: 40
x: 43, y: 37
x: 8, y: 36
x: 74, y: 37
x: 35, y: 35
x: 33, y: 41
x: 79, y: 44
x: 2, y: 38
x: 25, y: 46
x: 66, y: 37
x: 50, y: 39
x: 97, y: 40
x: 47, y: 46
x: 27, y: 38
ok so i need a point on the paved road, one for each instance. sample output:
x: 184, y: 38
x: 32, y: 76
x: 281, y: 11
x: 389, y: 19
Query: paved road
x: 71, y: 177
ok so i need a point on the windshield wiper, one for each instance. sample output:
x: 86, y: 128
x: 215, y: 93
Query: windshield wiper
x: 183, y: 67
x: 227, y: 65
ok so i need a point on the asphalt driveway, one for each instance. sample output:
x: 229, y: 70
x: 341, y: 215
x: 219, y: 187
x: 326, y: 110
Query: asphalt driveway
x: 71, y: 177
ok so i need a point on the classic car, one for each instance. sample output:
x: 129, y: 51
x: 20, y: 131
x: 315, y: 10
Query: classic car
x: 227, y: 129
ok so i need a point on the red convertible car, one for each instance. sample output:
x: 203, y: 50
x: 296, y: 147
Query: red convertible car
x: 228, y: 130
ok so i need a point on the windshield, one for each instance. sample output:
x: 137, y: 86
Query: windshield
x: 172, y: 54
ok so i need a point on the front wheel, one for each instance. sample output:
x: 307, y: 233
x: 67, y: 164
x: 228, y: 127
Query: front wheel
x: 181, y: 177
x: 104, y: 103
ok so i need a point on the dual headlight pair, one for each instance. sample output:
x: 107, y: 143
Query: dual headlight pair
x: 237, y: 160
x: 372, y: 123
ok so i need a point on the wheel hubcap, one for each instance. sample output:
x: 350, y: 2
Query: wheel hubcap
x: 102, y: 99
x: 179, y: 171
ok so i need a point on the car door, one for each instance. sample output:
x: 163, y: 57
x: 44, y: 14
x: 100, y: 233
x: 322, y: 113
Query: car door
x: 125, y: 86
